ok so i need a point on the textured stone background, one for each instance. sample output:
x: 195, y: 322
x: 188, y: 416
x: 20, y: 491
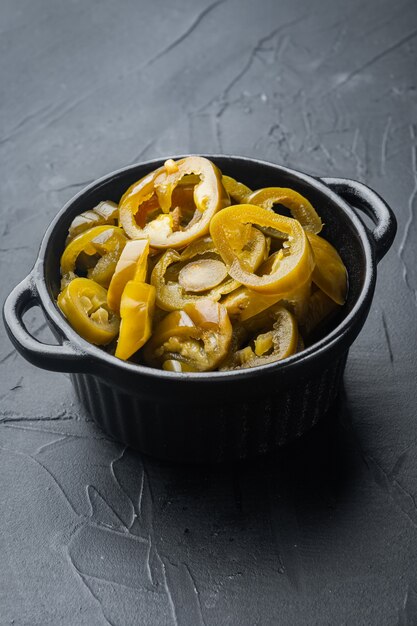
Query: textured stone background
x: 92, y: 534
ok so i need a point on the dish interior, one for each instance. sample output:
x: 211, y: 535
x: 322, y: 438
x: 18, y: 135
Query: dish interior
x: 338, y: 229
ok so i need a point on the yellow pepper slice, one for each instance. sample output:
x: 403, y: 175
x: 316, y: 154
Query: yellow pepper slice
x: 105, y: 213
x: 136, y: 312
x: 330, y: 272
x: 202, y: 275
x: 105, y: 241
x: 132, y: 265
x: 171, y: 294
x: 84, y: 304
x: 198, y: 337
x: 294, y: 263
x: 301, y: 209
x: 236, y: 190
x: 163, y: 231
x: 244, y: 303
x: 266, y: 346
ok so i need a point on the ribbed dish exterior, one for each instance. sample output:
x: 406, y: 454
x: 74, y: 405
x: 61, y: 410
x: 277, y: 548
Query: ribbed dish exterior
x: 210, y: 432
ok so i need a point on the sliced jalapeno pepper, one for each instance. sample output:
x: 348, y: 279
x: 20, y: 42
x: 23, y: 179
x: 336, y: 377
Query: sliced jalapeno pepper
x: 105, y: 213
x: 163, y: 232
x: 136, y: 312
x: 174, y: 292
x: 236, y: 190
x: 301, y: 209
x: 294, y: 263
x: 267, y: 346
x: 84, y: 304
x: 244, y: 303
x: 198, y: 337
x: 330, y: 272
x: 105, y: 241
x: 132, y: 265
x: 202, y: 275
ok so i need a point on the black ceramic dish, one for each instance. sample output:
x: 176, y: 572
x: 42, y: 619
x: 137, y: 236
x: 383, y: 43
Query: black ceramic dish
x: 212, y: 416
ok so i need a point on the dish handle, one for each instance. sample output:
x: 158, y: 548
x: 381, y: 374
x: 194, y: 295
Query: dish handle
x: 368, y: 201
x: 58, y: 358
